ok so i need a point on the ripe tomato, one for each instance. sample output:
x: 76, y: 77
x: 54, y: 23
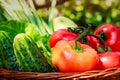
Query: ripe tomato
x: 110, y: 36
x: 109, y: 60
x: 93, y: 42
x: 61, y: 34
x: 67, y: 59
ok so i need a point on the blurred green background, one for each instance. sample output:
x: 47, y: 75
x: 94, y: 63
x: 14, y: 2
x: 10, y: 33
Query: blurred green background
x: 81, y: 12
x: 86, y: 11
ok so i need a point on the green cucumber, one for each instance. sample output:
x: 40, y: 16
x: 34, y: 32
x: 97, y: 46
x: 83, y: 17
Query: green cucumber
x: 7, y: 57
x: 29, y: 55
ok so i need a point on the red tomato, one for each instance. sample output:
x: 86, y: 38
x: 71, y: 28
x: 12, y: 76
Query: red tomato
x: 111, y: 36
x: 61, y: 34
x: 110, y: 60
x: 93, y: 42
x: 68, y: 59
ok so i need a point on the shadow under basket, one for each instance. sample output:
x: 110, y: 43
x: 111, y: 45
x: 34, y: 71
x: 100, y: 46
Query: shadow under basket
x: 108, y: 74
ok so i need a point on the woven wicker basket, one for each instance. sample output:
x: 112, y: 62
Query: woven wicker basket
x: 108, y: 74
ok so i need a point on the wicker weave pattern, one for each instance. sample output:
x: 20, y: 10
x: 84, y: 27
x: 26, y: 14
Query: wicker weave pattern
x: 108, y: 74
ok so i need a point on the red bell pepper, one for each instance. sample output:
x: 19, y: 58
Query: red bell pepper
x: 72, y: 56
x: 110, y: 34
x: 69, y: 59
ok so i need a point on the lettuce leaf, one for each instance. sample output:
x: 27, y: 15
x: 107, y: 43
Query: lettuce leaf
x: 14, y: 27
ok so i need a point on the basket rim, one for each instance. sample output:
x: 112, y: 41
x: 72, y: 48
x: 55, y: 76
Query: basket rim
x: 97, y: 74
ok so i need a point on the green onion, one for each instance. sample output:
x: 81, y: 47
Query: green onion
x: 22, y: 11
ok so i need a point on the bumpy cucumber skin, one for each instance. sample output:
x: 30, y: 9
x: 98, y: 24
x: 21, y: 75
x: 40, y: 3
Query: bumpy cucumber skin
x: 7, y: 57
x: 29, y: 55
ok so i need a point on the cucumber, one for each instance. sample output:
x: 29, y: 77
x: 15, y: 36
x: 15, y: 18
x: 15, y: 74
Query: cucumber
x: 29, y: 55
x: 7, y: 56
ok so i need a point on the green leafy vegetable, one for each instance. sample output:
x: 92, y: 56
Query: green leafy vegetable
x: 62, y: 22
x: 26, y: 12
x: 14, y: 27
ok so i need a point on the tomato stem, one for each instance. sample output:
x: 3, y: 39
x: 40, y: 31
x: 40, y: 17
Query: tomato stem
x: 76, y: 30
x: 102, y: 35
x: 106, y: 48
x: 82, y: 35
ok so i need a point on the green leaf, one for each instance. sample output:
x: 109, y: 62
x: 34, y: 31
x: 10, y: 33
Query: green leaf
x: 14, y: 27
x: 51, y: 15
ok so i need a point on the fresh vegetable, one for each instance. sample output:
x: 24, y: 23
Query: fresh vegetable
x: 44, y: 46
x: 71, y: 34
x: 62, y: 22
x: 109, y: 60
x: 31, y: 47
x: 14, y: 27
x: 68, y: 34
x: 91, y: 41
x: 68, y: 59
x: 61, y: 34
x: 7, y: 57
x: 110, y: 34
x: 29, y: 55
x: 26, y: 12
